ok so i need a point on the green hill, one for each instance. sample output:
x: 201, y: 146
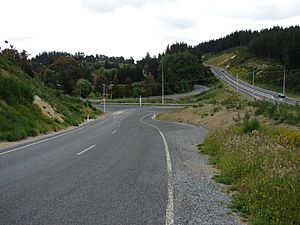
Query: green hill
x: 268, y: 72
x: 28, y: 108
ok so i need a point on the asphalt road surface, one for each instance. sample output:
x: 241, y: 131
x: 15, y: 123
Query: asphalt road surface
x: 122, y: 169
x: 253, y: 91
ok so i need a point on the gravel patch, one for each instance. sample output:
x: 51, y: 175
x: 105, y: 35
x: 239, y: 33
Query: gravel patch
x: 197, y: 198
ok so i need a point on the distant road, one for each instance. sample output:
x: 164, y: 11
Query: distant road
x: 252, y: 91
x: 198, y: 89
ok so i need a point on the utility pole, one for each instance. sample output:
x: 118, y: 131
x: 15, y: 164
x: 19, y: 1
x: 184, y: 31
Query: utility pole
x: 283, y: 88
x: 283, y: 83
x: 237, y: 83
x: 162, y: 84
x: 253, y: 73
x: 104, y: 98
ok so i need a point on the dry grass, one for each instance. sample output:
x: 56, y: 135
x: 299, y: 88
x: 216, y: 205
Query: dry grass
x: 221, y: 59
x: 47, y: 109
x: 211, y: 117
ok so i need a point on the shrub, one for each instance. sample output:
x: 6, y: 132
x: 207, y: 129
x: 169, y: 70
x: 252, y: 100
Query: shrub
x: 250, y: 124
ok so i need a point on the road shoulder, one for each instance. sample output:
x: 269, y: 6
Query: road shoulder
x: 198, y: 198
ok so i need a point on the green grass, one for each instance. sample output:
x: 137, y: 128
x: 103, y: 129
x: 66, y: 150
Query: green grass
x: 263, y: 169
x: 20, y: 118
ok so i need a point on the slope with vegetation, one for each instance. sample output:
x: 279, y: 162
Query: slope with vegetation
x: 267, y: 73
x: 256, y: 147
x: 28, y: 108
x: 266, y: 54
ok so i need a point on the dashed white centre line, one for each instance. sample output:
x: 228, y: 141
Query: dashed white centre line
x: 85, y: 150
x: 114, y: 131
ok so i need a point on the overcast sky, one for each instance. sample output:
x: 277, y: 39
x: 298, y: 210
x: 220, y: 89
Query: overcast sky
x: 133, y: 27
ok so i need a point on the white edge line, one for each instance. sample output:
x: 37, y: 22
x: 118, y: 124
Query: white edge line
x: 85, y: 150
x: 170, y: 204
x: 38, y: 142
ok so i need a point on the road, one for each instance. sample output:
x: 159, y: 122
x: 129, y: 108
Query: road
x: 122, y: 169
x: 253, y: 91
x: 198, y: 89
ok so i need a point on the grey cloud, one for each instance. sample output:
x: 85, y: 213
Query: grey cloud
x: 106, y: 6
x: 180, y: 23
x: 260, y: 10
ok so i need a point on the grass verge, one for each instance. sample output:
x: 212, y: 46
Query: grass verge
x: 256, y: 147
x: 263, y: 168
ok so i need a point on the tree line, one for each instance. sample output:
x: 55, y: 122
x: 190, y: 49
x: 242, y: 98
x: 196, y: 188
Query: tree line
x: 83, y: 75
x: 280, y: 44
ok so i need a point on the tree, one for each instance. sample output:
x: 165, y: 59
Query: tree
x: 181, y: 71
x: 50, y: 78
x: 115, y: 81
x: 82, y: 88
x: 149, y: 85
x: 68, y: 72
x: 98, y: 80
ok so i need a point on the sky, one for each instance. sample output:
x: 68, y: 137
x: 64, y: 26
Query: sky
x: 131, y: 28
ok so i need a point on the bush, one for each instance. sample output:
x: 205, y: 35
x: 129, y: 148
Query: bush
x: 250, y: 124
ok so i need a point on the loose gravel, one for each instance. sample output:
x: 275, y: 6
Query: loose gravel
x: 198, y: 199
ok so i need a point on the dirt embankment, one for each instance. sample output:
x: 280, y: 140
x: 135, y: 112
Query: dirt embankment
x: 47, y: 109
x: 208, y: 116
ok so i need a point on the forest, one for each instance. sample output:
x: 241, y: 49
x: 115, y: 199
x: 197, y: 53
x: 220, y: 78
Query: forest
x: 280, y: 44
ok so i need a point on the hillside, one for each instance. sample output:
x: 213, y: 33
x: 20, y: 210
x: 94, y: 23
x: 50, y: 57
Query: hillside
x: 28, y: 108
x: 268, y: 73
x: 254, y: 148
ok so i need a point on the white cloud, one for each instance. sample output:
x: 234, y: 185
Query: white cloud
x: 179, y: 22
x: 132, y: 27
x: 254, y: 9
x: 105, y: 6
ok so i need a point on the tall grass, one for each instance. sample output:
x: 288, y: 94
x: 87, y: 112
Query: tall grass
x: 263, y: 168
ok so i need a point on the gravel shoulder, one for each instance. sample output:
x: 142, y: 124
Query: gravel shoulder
x: 198, y: 198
